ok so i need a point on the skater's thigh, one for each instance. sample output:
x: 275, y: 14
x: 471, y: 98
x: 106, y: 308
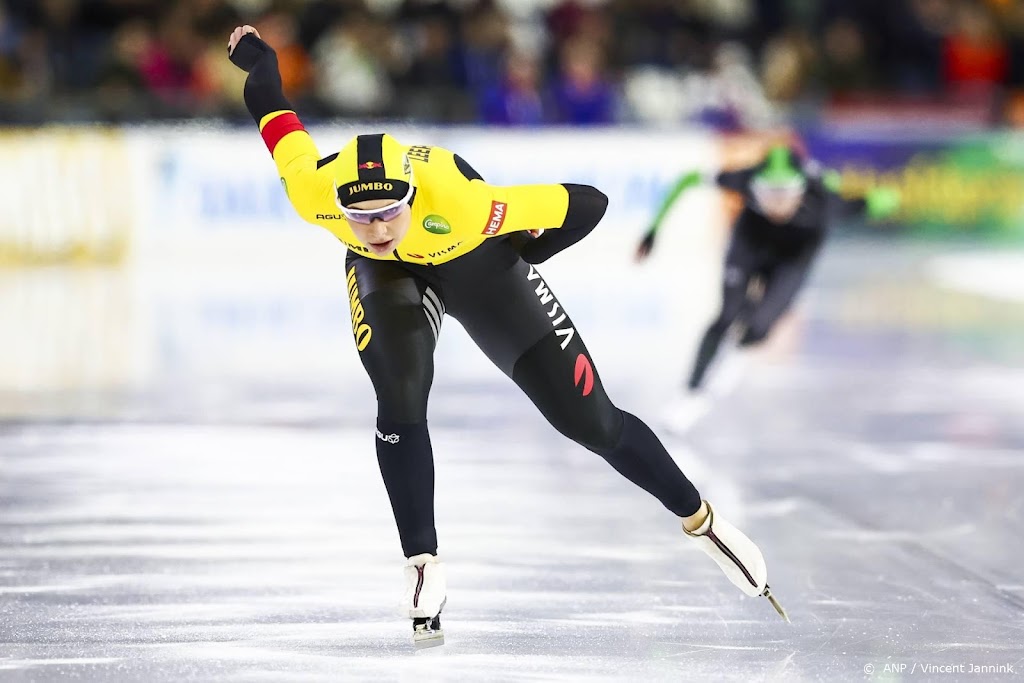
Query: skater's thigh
x: 781, y: 285
x: 396, y: 317
x: 740, y: 268
x: 515, y: 318
x: 504, y: 304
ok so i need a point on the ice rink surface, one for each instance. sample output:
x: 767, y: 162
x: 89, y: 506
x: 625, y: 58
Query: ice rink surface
x: 242, y: 533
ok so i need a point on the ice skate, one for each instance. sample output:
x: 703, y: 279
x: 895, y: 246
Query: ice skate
x: 737, y: 555
x: 685, y: 411
x: 425, y: 596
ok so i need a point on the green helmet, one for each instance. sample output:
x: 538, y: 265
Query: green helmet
x: 781, y: 170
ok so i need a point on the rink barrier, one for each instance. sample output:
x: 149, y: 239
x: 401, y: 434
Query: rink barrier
x: 67, y: 197
x: 88, y: 195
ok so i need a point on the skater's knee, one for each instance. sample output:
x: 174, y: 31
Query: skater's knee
x: 596, y: 430
x: 757, y: 331
x: 720, y: 325
x: 403, y: 398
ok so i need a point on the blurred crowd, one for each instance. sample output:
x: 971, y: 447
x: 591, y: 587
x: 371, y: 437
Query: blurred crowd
x: 727, y: 63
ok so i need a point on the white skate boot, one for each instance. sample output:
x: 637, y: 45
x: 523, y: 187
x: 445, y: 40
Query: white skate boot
x: 737, y: 555
x: 425, y: 596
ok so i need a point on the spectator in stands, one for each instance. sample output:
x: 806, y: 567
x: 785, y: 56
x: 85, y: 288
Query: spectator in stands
x: 974, y: 54
x: 785, y: 65
x: 123, y: 92
x: 517, y: 99
x: 217, y: 88
x: 457, y: 60
x: 1013, y: 20
x: 581, y: 94
x: 281, y: 29
x: 11, y: 82
x: 845, y: 64
x: 353, y: 63
x: 433, y: 80
x: 486, y: 44
x: 168, y: 65
x: 71, y: 52
x: 914, y: 33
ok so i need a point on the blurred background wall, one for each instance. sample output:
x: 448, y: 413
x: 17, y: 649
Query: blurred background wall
x: 150, y: 263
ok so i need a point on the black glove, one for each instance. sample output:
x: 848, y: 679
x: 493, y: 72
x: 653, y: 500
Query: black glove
x: 249, y: 51
x: 535, y: 250
x: 643, y: 250
x: 586, y: 208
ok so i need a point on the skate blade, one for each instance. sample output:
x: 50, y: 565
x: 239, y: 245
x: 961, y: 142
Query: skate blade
x: 775, y: 603
x: 427, y: 639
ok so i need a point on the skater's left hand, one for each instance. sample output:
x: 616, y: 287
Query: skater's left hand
x: 643, y: 250
x: 882, y: 202
x: 536, y: 233
x: 245, y: 52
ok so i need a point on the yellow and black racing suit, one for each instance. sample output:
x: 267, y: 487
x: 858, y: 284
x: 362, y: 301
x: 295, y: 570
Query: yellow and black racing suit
x: 466, y: 256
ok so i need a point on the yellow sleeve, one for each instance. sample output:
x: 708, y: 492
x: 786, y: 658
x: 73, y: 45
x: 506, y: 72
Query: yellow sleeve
x: 452, y: 188
x: 526, y: 207
x: 296, y: 157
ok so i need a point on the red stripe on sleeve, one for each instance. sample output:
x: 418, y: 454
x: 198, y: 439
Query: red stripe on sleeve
x: 279, y: 126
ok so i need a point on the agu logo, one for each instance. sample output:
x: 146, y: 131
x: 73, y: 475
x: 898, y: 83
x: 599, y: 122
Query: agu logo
x: 497, y: 219
x: 584, y: 373
x: 389, y: 438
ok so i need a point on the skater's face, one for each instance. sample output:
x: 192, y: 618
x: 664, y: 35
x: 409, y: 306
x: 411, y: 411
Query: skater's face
x: 381, y: 236
x: 779, y: 203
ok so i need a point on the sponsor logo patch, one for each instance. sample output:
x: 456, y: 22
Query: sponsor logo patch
x: 370, y: 165
x: 446, y: 250
x: 559, y: 320
x: 584, y: 372
x: 419, y: 152
x: 497, y: 218
x: 360, y: 330
x: 363, y: 187
x: 436, y: 225
x: 389, y: 438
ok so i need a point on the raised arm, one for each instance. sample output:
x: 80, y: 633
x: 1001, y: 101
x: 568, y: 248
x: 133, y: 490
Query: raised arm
x: 685, y: 182
x: 292, y: 148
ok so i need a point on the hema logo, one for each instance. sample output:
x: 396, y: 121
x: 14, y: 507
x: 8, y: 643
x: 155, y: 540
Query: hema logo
x: 497, y: 219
